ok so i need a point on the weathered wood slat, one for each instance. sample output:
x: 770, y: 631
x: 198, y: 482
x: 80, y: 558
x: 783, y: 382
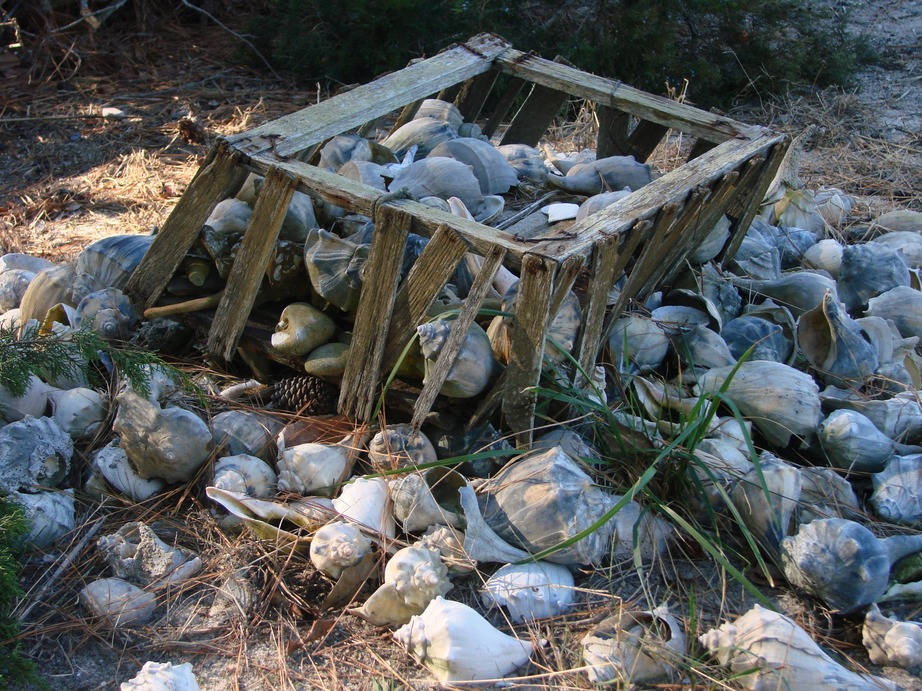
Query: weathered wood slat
x: 250, y: 263
x: 535, y: 116
x: 614, y: 130
x: 429, y: 274
x: 217, y: 179
x: 699, y: 147
x: 449, y: 93
x: 474, y: 94
x: 526, y: 353
x: 743, y: 216
x: 644, y: 139
x: 503, y: 105
x: 408, y: 113
x: 601, y: 278
x: 609, y: 92
x: 288, y: 135
x: 372, y: 318
x: 459, y: 328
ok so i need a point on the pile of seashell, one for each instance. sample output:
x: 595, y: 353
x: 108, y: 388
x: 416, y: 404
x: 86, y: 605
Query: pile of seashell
x: 811, y: 333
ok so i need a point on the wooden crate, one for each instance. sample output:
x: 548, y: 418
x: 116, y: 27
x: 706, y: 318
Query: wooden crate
x: 649, y: 232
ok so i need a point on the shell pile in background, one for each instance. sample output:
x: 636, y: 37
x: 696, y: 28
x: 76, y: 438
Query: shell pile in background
x: 811, y: 333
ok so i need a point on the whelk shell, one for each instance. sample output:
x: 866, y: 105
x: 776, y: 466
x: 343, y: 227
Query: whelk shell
x: 120, y: 602
x: 162, y: 676
x: 538, y: 590
x: 891, y: 642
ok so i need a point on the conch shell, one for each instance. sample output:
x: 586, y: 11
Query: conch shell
x: 891, y: 642
x: 162, y: 676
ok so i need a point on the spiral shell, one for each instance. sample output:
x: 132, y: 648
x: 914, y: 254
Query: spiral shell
x: 897, y: 495
x: 245, y: 474
x: 337, y: 546
x: 118, y: 601
x: 474, y: 366
x: 108, y: 263
x: 34, y: 453
x: 530, y: 591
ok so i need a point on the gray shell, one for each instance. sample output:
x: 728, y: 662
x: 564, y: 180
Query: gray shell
x: 108, y: 312
x: 799, y: 292
x: 612, y: 173
x: 766, y: 339
x: 756, y: 258
x: 766, y: 499
x: 825, y: 255
x: 367, y: 173
x: 335, y: 267
x: 897, y: 493
x: 492, y: 171
x: 825, y: 494
x: 400, y: 445
x: 51, y: 515
x: 901, y: 304
x: 538, y: 501
x: 440, y: 110
x: 443, y: 178
x: 13, y: 285
x: 600, y: 201
x: 34, y: 452
x: 246, y: 474
x: 853, y: 443
x: 702, y: 348
x: 108, y: 263
x: 473, y: 368
x: 842, y: 562
x: 900, y: 417
x: 867, y: 271
x: 344, y: 148
x: 425, y: 133
x: 638, y: 344
x: 245, y: 432
x: 906, y: 242
x: 563, y: 330
x: 527, y: 162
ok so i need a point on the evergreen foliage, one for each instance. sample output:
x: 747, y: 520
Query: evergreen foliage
x: 726, y: 49
x: 14, y: 668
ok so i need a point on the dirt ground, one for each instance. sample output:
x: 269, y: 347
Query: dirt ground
x: 108, y: 146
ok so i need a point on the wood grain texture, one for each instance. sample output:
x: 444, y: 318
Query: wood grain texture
x: 601, y: 278
x: 614, y: 127
x: 503, y: 105
x: 535, y: 116
x: 250, y: 264
x: 474, y: 94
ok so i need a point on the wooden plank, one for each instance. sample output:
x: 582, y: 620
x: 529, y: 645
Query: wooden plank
x: 644, y: 139
x: 431, y: 271
x: 526, y: 352
x: 449, y: 93
x: 601, y: 278
x: 218, y: 178
x: 700, y: 146
x: 535, y: 116
x: 614, y: 130
x: 408, y: 113
x: 372, y: 318
x: 610, y: 92
x: 250, y: 263
x: 743, y: 218
x: 513, y: 89
x: 474, y: 94
x: 288, y: 135
x: 459, y: 328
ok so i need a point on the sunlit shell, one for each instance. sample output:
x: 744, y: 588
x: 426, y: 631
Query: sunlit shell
x: 891, y: 642
x: 530, y: 591
x: 13, y: 285
x: 428, y: 498
x: 162, y: 676
x: 245, y: 432
x: 136, y: 554
x: 766, y: 499
x: 367, y: 503
x: 344, y: 148
x: 34, y: 453
x: 108, y: 312
x: 301, y: 329
x: 245, y: 474
x: 440, y: 110
x: 108, y: 263
x: 367, y: 173
x: 400, y: 445
x: 527, y: 162
x: 314, y: 469
x: 80, y: 412
x: 767, y: 650
x: 50, y: 287
x: 111, y: 462
x: 118, y: 601
x: 337, y: 546
x: 33, y: 402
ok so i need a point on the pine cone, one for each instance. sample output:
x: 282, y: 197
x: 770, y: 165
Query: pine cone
x: 304, y: 394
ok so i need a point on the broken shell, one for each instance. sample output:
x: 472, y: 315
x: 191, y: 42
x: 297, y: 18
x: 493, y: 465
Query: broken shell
x: 766, y: 499
x: 527, y: 162
x: 367, y: 173
x: 634, y: 648
x: 337, y: 546
x: 51, y: 515
x: 891, y: 642
x: 541, y: 500
x: 162, y: 676
x: 400, y: 445
x: 473, y: 368
x: 237, y: 432
x: 108, y: 263
x: 34, y: 453
x: 112, y: 463
x: 842, y: 562
x: 120, y: 602
x: 50, y: 287
x: 245, y: 474
x: 481, y: 543
x: 835, y: 345
x: 137, y: 555
x: 301, y: 328
x: 530, y: 591
x: 335, y: 267
x: 490, y: 168
x: 449, y: 543
x: 428, y: 498
x: 268, y: 520
x: 425, y: 133
x: 767, y: 650
x: 825, y: 494
x: 457, y: 644
x: 169, y: 443
x: 780, y: 400
x: 612, y: 173
x: 867, y: 271
x: 314, y: 469
x: 853, y: 443
x: 33, y: 402
x: 80, y: 412
x: 897, y: 495
x: 367, y: 502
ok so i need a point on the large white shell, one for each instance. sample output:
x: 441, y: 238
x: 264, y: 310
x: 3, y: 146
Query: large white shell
x: 337, y: 546
x: 108, y: 263
x: 780, y: 400
x: 33, y: 402
x: 301, y: 328
x: 853, y: 443
x: 530, y: 591
x: 162, y: 676
x: 111, y: 462
x: 768, y: 651
x: 428, y: 498
x: 169, y: 443
x: 50, y: 514
x: 903, y: 305
x: 634, y: 648
x: 400, y: 445
x: 137, y: 555
x: 766, y: 499
x: 120, y: 602
x: 247, y: 474
x: 891, y: 642
x: 425, y: 133
x: 108, y: 312
x: 314, y: 469
x: 367, y: 502
x: 80, y: 412
x: 34, y: 452
x: 230, y: 216
x: 13, y: 285
x: 474, y: 366
x: 457, y: 644
x: 897, y: 495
